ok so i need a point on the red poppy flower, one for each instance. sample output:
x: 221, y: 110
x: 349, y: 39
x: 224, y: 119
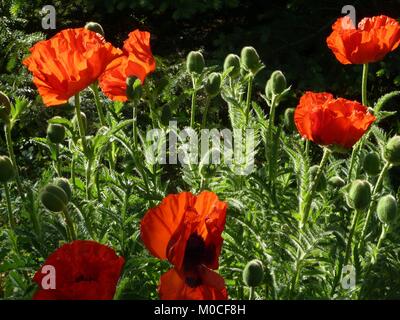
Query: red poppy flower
x: 68, y: 62
x: 186, y: 230
x: 370, y: 42
x: 328, y: 121
x: 138, y: 61
x: 84, y: 270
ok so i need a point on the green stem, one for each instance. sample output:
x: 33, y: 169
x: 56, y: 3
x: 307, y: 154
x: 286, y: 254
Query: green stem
x: 11, y: 219
x: 204, y: 122
x: 364, y: 85
x: 251, y: 293
x: 70, y: 224
x: 360, y: 144
x: 99, y: 107
x: 371, y: 208
x: 134, y: 125
x: 271, y: 141
x: 193, y: 107
x: 58, y: 161
x: 306, y: 205
x: 81, y: 126
x: 248, y: 99
x: 351, y: 235
x: 88, y: 179
x: 10, y: 149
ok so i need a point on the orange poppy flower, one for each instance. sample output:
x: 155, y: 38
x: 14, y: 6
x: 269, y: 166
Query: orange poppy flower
x: 138, y: 61
x: 328, y: 121
x: 186, y: 230
x: 370, y: 42
x: 68, y: 62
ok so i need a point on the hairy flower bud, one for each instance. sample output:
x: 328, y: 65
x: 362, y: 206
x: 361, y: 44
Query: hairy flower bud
x: 213, y: 84
x: 278, y: 82
x: 392, y: 151
x: 359, y: 195
x: 232, y: 60
x: 288, y: 119
x: 387, y: 209
x: 372, y: 164
x: 250, y: 59
x: 195, y: 62
x: 95, y: 27
x: 63, y: 183
x: 56, y: 132
x: 84, y: 120
x: 6, y: 169
x: 253, y: 273
x: 53, y: 198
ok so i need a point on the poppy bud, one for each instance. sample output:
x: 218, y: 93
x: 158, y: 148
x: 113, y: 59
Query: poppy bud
x: 6, y: 169
x: 195, y: 62
x: 64, y: 184
x: 289, y: 119
x: 253, y: 273
x: 392, y: 151
x: 250, y: 59
x: 359, y: 195
x: 95, y: 27
x: 53, y: 198
x: 232, y: 60
x: 55, y: 132
x: 133, y: 88
x: 387, y: 209
x: 336, y: 182
x: 268, y: 90
x: 372, y: 164
x: 5, y: 107
x: 278, y: 82
x: 321, y: 183
x: 84, y: 120
x: 213, y: 84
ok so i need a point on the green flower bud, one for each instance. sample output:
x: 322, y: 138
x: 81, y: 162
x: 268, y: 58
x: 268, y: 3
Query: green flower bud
x: 336, y: 182
x: 195, y: 62
x: 250, y: 59
x: 392, y: 151
x: 289, y: 119
x: 387, y: 209
x: 372, y: 164
x: 268, y: 89
x: 64, y: 184
x: 95, y: 27
x: 321, y: 183
x: 6, y: 169
x: 5, y: 107
x: 213, y: 84
x: 232, y: 60
x: 253, y: 273
x: 133, y: 88
x: 53, y: 198
x: 278, y: 82
x: 56, y: 132
x: 359, y: 195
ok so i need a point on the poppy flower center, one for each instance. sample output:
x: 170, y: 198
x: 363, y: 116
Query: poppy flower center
x: 196, y: 254
x: 86, y: 278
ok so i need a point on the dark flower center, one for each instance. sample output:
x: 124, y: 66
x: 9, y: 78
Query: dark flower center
x: 196, y: 254
x: 86, y: 278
